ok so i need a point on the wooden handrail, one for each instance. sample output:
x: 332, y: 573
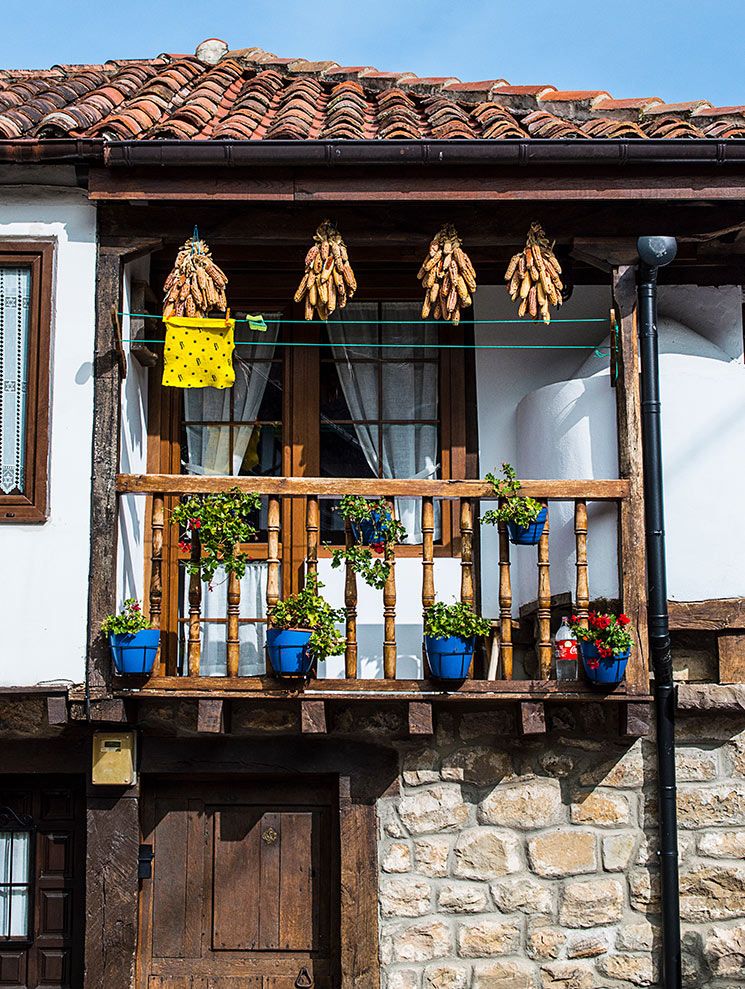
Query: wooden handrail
x: 331, y: 487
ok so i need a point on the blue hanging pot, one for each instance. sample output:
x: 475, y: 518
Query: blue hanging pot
x: 449, y: 659
x: 373, y: 529
x: 599, y: 669
x: 134, y: 654
x: 530, y: 535
x: 288, y: 651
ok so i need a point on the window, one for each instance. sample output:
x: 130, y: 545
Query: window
x: 15, y: 875
x: 25, y: 314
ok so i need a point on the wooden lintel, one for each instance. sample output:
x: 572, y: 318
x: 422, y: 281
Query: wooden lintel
x: 635, y: 720
x: 605, y: 253
x: 313, y: 717
x: 211, y: 715
x: 57, y: 709
x: 731, y: 652
x: 532, y: 718
x: 112, y: 709
x: 710, y: 615
x: 421, y: 721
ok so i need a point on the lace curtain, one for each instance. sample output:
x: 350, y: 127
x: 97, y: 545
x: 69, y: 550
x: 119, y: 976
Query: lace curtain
x: 15, y: 847
x: 15, y: 288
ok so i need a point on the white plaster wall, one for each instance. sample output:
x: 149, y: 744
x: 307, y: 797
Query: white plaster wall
x: 45, y: 572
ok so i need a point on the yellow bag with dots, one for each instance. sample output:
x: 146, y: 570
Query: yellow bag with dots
x: 198, y: 352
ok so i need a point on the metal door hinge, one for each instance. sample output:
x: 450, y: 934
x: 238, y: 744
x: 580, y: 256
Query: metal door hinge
x: 145, y: 862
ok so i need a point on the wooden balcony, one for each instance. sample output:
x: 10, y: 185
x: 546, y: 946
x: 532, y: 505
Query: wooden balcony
x: 493, y: 674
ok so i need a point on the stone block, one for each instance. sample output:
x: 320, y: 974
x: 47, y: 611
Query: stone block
x: 644, y: 889
x: 431, y: 856
x: 544, y: 942
x: 559, y: 764
x: 640, y: 936
x: 626, y: 770
x: 447, y: 977
x: 711, y: 806
x: 529, y: 804
x: 437, y: 808
x: 735, y: 757
x: 603, y: 808
x: 403, y: 978
x: 569, y: 975
x: 618, y: 851
x: 724, y: 951
x: 421, y: 765
x: 474, y: 725
x: 588, y: 946
x: 389, y: 819
x: 396, y: 857
x: 479, y: 765
x: 709, y: 893
x: 695, y: 765
x: 565, y: 852
x: 591, y: 903
x: 722, y: 844
x: 639, y: 970
x: 524, y: 895
x: 482, y: 853
x: 405, y: 898
x: 421, y: 942
x: 462, y: 898
x: 504, y: 975
x: 484, y: 938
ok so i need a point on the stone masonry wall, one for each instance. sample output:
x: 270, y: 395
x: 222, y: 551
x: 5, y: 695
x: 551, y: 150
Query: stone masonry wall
x: 511, y: 863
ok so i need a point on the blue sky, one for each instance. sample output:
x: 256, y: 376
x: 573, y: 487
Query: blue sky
x: 676, y: 49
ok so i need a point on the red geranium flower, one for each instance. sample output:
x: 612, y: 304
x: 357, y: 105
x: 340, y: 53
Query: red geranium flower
x: 592, y: 664
x: 135, y: 607
x: 377, y: 547
x: 195, y: 523
x: 623, y: 619
x: 184, y: 546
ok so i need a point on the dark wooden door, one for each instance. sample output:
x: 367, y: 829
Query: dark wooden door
x: 45, y: 946
x: 244, y: 887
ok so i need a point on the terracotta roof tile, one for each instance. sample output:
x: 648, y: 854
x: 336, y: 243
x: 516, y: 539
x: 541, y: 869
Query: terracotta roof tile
x: 249, y: 94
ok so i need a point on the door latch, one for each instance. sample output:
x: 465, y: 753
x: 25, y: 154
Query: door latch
x: 303, y: 981
x: 145, y: 862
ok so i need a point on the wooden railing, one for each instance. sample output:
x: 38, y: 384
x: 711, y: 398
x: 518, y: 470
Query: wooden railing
x: 466, y: 496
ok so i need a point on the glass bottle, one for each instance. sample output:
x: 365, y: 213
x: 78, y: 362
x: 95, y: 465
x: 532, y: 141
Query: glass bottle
x: 565, y: 652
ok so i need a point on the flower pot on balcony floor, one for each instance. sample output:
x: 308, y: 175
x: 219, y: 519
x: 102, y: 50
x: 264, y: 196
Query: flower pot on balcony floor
x: 449, y: 659
x: 288, y: 651
x: 528, y: 535
x: 598, y: 669
x: 134, y: 655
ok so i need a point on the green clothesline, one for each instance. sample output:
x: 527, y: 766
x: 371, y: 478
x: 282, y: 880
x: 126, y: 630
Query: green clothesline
x: 596, y: 351
x: 390, y: 322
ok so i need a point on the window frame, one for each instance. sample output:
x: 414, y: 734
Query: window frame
x: 32, y: 505
x: 14, y: 823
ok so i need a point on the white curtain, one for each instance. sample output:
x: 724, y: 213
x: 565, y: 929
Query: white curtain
x: 208, y: 450
x: 15, y: 858
x: 409, y: 390
x: 15, y: 287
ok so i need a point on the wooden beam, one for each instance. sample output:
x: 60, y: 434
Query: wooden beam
x: 421, y: 721
x: 113, y: 709
x: 605, y: 253
x: 716, y: 614
x: 731, y: 651
x: 532, y: 718
x: 57, y: 709
x: 211, y: 715
x: 635, y: 720
x: 313, y: 717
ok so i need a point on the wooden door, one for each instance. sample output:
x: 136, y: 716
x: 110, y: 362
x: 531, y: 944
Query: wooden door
x: 244, y: 887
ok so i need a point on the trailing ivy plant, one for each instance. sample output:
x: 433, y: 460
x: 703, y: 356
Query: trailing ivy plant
x: 221, y: 521
x: 369, y: 561
x: 441, y: 621
x: 522, y: 511
x: 129, y: 621
x: 309, y: 610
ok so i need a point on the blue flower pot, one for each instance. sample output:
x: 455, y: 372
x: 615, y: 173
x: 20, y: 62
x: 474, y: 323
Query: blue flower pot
x: 529, y: 535
x: 608, y: 671
x: 134, y: 655
x: 288, y: 651
x: 373, y: 529
x: 449, y: 659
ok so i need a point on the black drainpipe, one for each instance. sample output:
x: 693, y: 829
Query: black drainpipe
x: 655, y: 252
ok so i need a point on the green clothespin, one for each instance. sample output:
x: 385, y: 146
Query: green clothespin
x: 256, y: 323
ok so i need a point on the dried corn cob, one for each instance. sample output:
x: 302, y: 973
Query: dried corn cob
x: 328, y: 282
x: 534, y: 276
x: 195, y: 285
x: 447, y: 276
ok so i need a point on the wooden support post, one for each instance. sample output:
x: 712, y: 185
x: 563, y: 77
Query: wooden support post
x: 211, y: 715
x: 505, y: 603
x: 630, y: 465
x: 272, y: 559
x: 582, y: 596
x: 635, y: 720
x: 195, y: 608
x: 311, y: 531
x: 156, y: 575
x: 544, y: 604
x: 313, y: 717
x: 731, y: 651
x: 56, y: 709
x: 233, y: 630
x: 389, y: 609
x: 532, y: 718
x: 420, y: 718
x: 350, y: 605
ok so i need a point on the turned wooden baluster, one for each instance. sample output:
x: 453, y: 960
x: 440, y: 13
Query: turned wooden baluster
x: 156, y: 573
x: 544, y: 605
x: 466, y: 552
x: 195, y: 607
x: 311, y: 535
x: 350, y: 605
x: 428, y: 552
x: 234, y: 608
x: 389, y: 609
x: 272, y: 558
x: 582, y: 597
x: 505, y: 602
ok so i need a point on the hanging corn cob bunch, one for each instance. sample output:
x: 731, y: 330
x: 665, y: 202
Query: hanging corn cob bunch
x: 195, y: 285
x: 447, y: 276
x: 329, y: 282
x: 534, y: 276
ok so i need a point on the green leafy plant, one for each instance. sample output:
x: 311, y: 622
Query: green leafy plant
x: 308, y: 610
x: 129, y: 621
x: 370, y: 562
x: 220, y: 522
x: 612, y: 635
x: 441, y: 621
x: 522, y: 511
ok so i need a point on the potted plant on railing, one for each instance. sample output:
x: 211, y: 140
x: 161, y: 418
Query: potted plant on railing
x: 220, y: 523
x: 134, y: 645
x: 525, y: 517
x: 604, y: 644
x: 302, y: 629
x: 375, y: 532
x: 450, y: 632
